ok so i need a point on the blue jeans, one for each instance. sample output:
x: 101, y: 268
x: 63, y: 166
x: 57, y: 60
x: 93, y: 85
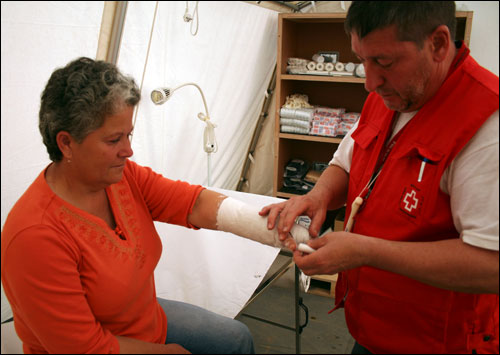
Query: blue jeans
x: 203, y: 332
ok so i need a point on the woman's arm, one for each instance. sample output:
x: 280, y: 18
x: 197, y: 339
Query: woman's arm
x: 212, y: 211
x: 205, y: 209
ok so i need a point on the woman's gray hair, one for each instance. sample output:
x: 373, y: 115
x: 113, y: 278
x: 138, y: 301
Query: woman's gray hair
x: 79, y: 97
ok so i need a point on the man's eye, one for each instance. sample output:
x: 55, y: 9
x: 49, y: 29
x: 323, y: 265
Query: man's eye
x: 384, y: 63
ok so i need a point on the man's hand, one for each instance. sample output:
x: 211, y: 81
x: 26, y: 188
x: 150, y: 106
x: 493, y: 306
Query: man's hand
x: 335, y: 252
x: 330, y: 192
x: 286, y: 212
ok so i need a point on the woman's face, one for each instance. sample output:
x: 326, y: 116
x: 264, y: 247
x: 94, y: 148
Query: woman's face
x: 100, y: 157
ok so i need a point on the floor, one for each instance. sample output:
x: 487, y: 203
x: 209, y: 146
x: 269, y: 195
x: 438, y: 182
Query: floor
x: 324, y: 334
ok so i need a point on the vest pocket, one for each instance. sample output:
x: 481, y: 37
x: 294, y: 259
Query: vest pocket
x: 365, y: 134
x: 419, y: 171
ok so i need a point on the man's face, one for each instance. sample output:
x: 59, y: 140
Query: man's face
x: 398, y: 71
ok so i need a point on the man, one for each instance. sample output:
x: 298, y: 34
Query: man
x: 419, y: 266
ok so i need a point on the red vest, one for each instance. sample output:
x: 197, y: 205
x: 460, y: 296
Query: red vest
x: 387, y: 312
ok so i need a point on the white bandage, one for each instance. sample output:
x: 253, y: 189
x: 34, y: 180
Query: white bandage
x: 305, y: 248
x: 244, y: 220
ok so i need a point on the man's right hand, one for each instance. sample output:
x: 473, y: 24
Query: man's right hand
x: 330, y: 192
x: 286, y: 212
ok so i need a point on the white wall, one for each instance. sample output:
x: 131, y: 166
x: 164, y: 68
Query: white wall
x: 484, y: 34
x: 37, y: 37
x: 231, y: 58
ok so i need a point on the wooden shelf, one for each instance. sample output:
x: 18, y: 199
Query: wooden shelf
x: 319, y: 17
x: 285, y: 194
x: 301, y: 36
x: 305, y: 137
x: 324, y: 78
x: 323, y: 285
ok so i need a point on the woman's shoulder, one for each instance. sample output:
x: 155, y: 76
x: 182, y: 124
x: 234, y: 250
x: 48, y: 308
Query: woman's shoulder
x: 31, y: 210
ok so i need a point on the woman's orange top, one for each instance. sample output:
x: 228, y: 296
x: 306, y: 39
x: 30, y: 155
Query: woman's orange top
x: 73, y: 282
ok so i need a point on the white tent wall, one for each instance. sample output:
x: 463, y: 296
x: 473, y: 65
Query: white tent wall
x: 38, y: 37
x: 484, y: 33
x: 231, y: 58
x: 483, y: 45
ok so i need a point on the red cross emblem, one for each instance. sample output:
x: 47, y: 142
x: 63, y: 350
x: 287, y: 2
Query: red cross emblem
x: 411, y: 201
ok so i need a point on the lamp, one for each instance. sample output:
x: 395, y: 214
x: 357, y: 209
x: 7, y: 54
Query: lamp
x: 160, y: 95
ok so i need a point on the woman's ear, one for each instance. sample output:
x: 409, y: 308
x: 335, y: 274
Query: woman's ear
x: 65, y: 142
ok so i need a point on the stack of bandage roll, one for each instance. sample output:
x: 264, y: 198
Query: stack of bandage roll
x: 297, y: 66
x: 348, y: 120
x: 296, y: 114
x: 324, y: 65
x: 296, y: 121
x: 332, y: 122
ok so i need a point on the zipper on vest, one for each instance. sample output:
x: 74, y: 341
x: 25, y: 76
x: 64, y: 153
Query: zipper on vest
x: 341, y: 303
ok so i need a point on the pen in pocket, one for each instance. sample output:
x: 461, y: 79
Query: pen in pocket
x: 422, y: 168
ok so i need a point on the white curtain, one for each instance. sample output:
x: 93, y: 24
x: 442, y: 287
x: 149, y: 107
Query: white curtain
x: 231, y: 58
x: 37, y: 37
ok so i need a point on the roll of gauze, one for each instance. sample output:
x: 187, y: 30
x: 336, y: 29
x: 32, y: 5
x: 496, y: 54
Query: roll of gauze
x: 349, y: 67
x: 360, y: 71
x: 318, y: 58
x: 244, y: 220
x: 305, y: 248
x: 311, y: 66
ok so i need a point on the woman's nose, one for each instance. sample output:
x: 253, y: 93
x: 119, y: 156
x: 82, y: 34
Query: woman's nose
x: 126, y: 151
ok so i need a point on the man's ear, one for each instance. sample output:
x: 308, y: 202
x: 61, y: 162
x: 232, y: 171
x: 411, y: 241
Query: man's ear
x: 65, y: 143
x: 440, y: 42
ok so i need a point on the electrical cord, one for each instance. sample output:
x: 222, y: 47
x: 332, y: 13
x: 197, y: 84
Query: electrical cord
x: 189, y: 18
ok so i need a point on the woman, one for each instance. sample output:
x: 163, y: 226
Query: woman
x: 79, y: 247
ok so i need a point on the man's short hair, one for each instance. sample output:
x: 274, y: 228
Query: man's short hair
x: 414, y: 20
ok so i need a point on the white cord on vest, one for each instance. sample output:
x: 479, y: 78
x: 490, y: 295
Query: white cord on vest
x: 358, y: 201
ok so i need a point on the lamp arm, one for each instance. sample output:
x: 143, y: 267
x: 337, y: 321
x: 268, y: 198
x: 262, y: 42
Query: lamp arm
x: 201, y: 92
x: 210, y: 142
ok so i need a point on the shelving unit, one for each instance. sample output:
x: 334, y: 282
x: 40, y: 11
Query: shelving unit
x: 323, y: 285
x: 301, y: 36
